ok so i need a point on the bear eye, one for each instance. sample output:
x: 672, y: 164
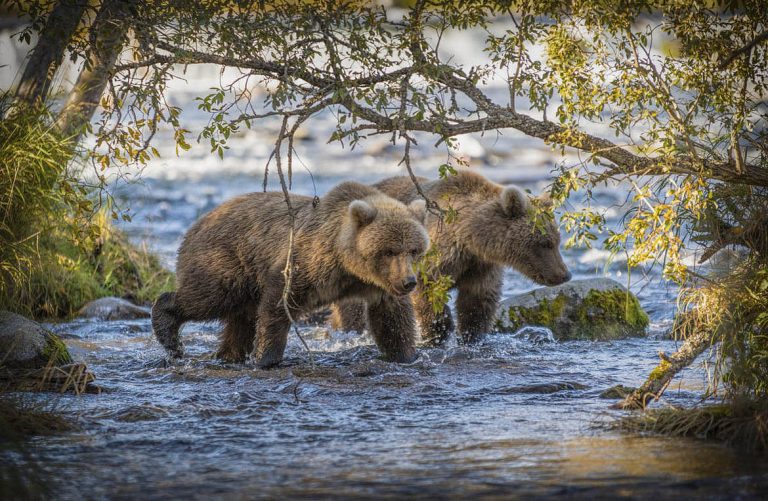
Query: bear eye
x: 415, y: 252
x: 390, y: 253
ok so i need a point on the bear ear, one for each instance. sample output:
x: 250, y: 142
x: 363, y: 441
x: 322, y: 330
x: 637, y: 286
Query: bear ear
x: 514, y: 201
x: 545, y: 200
x: 362, y: 212
x: 419, y: 209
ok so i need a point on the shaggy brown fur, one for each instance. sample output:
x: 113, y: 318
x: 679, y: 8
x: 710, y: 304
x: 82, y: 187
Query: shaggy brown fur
x: 493, y: 230
x: 356, y: 243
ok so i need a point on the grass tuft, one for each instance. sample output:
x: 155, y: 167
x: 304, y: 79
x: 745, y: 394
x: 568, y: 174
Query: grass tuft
x: 58, y: 250
x: 742, y: 423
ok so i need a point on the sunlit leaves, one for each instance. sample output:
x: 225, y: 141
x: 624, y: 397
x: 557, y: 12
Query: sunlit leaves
x: 595, y: 67
x: 436, y: 286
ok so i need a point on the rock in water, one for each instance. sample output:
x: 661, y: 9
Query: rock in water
x: 25, y: 344
x: 592, y: 309
x: 113, y: 308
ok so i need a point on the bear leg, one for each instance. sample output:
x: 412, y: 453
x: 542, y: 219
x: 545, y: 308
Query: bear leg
x: 237, y: 338
x: 392, y: 324
x: 272, y: 328
x: 166, y: 322
x: 476, y: 305
x: 435, y: 328
x: 349, y: 316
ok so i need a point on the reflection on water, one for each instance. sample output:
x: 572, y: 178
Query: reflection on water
x: 509, y: 416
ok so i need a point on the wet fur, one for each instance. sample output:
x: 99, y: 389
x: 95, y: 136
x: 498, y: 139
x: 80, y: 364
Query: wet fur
x: 493, y: 230
x: 231, y: 262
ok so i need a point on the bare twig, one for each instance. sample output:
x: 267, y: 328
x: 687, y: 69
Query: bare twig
x: 288, y: 270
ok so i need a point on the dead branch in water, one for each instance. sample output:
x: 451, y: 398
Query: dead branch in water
x: 668, y: 367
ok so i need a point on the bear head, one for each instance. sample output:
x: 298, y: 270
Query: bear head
x: 503, y: 230
x: 381, y: 239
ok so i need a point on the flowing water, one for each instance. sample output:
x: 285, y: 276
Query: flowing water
x: 513, y: 416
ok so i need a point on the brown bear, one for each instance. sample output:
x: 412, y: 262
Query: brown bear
x: 355, y: 242
x: 493, y: 229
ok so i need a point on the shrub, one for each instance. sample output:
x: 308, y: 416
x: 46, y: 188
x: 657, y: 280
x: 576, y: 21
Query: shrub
x: 57, y: 249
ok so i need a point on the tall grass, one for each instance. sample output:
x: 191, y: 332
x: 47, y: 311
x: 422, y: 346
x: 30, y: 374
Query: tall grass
x: 57, y: 249
x: 734, y: 310
x: 731, y: 307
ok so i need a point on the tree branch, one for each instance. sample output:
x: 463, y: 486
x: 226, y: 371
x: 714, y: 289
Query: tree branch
x: 496, y: 116
x: 762, y: 37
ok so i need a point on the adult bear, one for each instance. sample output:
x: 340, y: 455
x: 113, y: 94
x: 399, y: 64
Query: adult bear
x: 355, y: 243
x: 493, y: 229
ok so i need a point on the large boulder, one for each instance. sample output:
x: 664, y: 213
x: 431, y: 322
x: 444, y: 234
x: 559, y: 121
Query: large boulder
x: 113, y: 308
x: 592, y: 309
x: 25, y: 344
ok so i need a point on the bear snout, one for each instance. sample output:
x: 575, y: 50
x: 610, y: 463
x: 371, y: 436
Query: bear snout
x: 560, y: 278
x: 409, y: 284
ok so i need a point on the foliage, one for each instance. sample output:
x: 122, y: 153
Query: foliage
x: 733, y: 309
x: 672, y: 80
x: 33, y: 185
x: 61, y: 277
x: 742, y: 422
x: 436, y: 285
x: 56, y: 253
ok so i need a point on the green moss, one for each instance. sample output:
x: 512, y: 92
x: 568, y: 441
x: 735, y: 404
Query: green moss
x: 616, y: 305
x: 612, y: 314
x: 544, y: 314
x: 659, y: 371
x: 602, y: 315
x: 56, y: 351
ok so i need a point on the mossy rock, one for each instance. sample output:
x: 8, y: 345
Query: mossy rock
x: 594, y: 309
x: 617, y: 392
x: 25, y: 344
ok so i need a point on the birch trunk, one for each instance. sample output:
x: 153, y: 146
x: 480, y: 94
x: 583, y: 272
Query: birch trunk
x: 107, y: 36
x: 48, y: 54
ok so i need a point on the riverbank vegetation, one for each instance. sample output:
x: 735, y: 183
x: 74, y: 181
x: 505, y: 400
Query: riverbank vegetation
x: 58, y: 249
x: 19, y: 420
x: 667, y: 98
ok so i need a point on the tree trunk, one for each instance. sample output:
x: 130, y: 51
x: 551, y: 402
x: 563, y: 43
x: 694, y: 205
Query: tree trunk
x: 107, y: 37
x: 48, y: 54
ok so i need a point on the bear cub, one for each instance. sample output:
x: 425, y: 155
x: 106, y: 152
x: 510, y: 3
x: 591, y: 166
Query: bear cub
x: 493, y: 229
x: 356, y: 243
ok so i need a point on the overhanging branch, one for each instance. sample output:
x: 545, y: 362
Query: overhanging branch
x: 496, y: 117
